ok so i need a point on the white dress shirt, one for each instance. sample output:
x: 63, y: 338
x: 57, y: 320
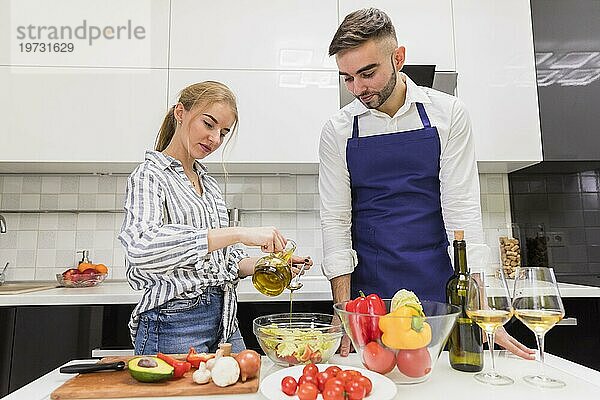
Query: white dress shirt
x: 458, y: 172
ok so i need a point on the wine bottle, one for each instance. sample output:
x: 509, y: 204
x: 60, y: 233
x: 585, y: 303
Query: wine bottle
x: 465, y: 342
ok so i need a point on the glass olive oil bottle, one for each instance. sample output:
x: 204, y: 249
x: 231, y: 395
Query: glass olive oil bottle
x: 465, y: 341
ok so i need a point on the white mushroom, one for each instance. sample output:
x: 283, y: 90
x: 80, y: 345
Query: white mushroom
x: 202, y: 375
x: 225, y: 372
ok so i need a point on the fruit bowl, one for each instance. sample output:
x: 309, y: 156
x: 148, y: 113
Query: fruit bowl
x: 81, y: 280
x: 301, y: 338
x: 411, y: 358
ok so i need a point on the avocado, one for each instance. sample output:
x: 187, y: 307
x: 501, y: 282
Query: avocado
x: 149, y: 369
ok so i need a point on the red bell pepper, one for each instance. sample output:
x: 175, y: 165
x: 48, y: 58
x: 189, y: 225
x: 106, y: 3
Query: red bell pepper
x: 366, y: 329
x: 196, y: 358
x: 180, y: 367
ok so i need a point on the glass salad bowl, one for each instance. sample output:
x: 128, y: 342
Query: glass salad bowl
x: 411, y: 345
x: 298, y: 338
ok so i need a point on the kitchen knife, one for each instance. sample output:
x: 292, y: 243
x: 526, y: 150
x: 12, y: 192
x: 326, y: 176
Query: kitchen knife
x: 85, y: 368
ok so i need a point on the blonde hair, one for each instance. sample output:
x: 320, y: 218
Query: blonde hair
x: 199, y: 94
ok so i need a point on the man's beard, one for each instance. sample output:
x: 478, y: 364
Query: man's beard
x: 380, y: 97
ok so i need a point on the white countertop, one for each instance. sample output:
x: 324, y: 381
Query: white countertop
x: 119, y: 292
x: 582, y: 382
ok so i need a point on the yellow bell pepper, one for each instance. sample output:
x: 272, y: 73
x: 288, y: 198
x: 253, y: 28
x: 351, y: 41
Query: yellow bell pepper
x: 405, y: 328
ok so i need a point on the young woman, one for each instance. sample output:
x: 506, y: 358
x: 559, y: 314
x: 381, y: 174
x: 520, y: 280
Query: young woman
x: 179, y: 246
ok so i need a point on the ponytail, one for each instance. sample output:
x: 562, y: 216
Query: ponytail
x: 166, y: 132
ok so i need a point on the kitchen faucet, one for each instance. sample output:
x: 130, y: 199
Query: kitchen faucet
x: 2, y: 224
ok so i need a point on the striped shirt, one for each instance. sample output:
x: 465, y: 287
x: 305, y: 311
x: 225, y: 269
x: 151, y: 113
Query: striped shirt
x: 165, y: 236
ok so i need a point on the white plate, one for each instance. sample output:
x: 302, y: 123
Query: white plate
x: 270, y: 387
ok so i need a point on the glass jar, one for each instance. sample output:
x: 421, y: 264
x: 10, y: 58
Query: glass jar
x: 273, y: 272
x: 509, y: 241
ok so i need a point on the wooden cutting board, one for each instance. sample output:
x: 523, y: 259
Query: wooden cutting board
x: 19, y: 288
x: 119, y: 384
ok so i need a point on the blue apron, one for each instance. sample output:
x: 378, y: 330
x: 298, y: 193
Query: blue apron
x: 397, y: 226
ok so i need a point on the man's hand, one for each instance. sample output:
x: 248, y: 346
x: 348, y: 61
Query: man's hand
x: 511, y: 344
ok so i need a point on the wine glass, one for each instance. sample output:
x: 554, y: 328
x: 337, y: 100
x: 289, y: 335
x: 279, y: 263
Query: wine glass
x: 538, y: 305
x: 489, y: 305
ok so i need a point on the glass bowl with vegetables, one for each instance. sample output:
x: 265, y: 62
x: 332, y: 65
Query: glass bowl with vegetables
x: 298, y: 338
x: 400, y: 338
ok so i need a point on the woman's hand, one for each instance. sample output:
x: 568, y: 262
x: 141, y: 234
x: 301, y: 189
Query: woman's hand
x: 267, y: 237
x: 297, y: 263
x: 511, y: 344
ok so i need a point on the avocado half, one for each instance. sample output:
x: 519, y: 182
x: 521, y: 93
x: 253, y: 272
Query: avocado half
x: 161, y: 372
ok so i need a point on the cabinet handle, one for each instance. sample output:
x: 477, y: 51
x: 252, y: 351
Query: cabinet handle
x: 568, y: 322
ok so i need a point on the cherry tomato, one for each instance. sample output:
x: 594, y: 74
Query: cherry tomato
x: 333, y: 370
x: 344, y: 375
x: 322, y: 377
x: 308, y: 379
x: 355, y: 390
x: 310, y: 369
x: 307, y: 391
x: 414, y: 363
x: 333, y: 393
x: 366, y: 382
x: 289, y: 385
x: 378, y: 359
x: 335, y: 381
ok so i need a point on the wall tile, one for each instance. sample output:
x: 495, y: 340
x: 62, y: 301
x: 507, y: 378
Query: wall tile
x: 307, y: 184
x: 25, y: 258
x: 45, y: 258
x: 554, y: 184
x: 11, y: 201
x: 30, y: 201
x: 12, y: 184
x: 50, y: 184
x: 87, y: 201
x: 67, y: 222
x: 27, y: 240
x: 86, y: 221
x: 495, y: 203
x: 9, y: 240
x: 593, y: 253
x: 88, y: 184
x: 591, y: 218
x: 105, y: 221
x: 107, y: 184
x: 84, y: 240
x: 69, y: 184
x: 65, y: 240
x: 103, y: 239
x: 31, y: 184
x: 270, y: 184
x: 592, y: 236
x: 27, y: 222
x: 20, y: 274
x: 571, y: 183
x: 48, y: 222
x: 105, y: 201
x: 591, y: 201
x: 46, y: 240
x: 252, y: 201
x: 537, y: 185
x: 589, y: 183
x: 68, y: 201
x: 49, y: 202
x: 121, y: 184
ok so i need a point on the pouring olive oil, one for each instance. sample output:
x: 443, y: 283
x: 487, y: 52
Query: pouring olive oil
x: 273, y: 272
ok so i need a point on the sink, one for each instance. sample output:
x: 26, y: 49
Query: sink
x: 24, y: 287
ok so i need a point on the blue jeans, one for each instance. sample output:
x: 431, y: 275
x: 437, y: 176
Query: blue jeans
x: 179, y: 324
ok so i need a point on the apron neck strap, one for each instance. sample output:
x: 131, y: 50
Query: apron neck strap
x: 355, y: 127
x: 423, y: 115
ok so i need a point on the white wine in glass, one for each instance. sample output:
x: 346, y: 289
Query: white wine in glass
x: 537, y: 304
x: 489, y: 306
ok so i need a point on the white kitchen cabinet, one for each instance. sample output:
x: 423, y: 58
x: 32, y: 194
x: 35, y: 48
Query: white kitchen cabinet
x: 424, y: 27
x: 110, y: 33
x: 75, y: 115
x: 281, y: 112
x: 259, y: 34
x: 496, y: 80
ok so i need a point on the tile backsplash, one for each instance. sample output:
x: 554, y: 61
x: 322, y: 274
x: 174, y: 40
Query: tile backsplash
x: 50, y: 217
x: 564, y: 210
